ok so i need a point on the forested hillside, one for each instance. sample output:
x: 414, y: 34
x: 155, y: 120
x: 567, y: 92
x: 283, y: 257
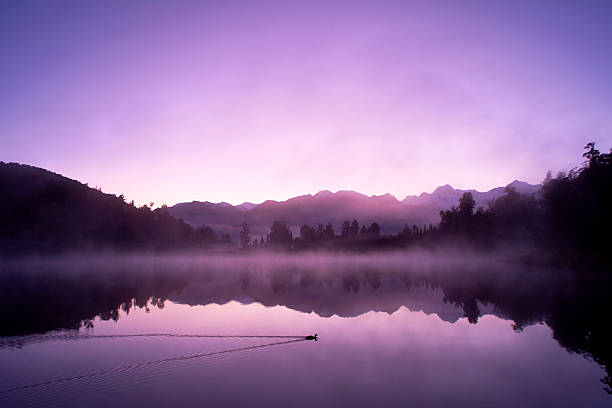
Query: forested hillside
x: 41, y: 211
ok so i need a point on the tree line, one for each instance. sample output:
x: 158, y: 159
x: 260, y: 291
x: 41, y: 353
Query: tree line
x: 565, y: 222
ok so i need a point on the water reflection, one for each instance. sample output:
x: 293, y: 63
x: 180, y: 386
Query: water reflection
x: 70, y: 294
x: 150, y: 363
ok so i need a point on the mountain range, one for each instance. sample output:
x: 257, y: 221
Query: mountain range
x: 328, y: 207
x: 52, y: 207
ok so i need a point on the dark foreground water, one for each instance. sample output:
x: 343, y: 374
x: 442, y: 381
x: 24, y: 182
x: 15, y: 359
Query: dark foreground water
x: 392, y: 332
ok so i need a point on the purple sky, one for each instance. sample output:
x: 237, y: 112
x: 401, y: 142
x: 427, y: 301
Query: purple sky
x: 232, y: 101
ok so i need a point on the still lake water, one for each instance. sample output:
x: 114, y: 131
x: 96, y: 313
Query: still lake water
x: 390, y: 335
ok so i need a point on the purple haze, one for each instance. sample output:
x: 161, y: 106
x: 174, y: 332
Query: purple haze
x: 248, y: 101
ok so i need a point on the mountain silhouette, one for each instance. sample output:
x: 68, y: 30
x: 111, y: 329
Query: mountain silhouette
x: 444, y: 197
x: 325, y: 206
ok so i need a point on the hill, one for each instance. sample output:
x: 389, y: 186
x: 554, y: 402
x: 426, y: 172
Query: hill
x: 41, y: 211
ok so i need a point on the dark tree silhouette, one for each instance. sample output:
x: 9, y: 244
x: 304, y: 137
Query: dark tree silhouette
x: 320, y: 231
x: 346, y: 228
x: 374, y: 229
x: 466, y: 205
x: 576, y: 207
x: 245, y: 237
x: 280, y: 235
x: 307, y: 234
x: 354, y: 228
x: 329, y: 231
x: 205, y: 235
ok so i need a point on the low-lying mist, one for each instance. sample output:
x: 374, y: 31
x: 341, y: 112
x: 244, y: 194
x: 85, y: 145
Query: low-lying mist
x: 323, y: 261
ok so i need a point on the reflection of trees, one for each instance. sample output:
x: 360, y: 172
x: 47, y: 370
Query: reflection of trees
x: 574, y: 308
x: 582, y: 325
x: 350, y: 281
x: 35, y: 303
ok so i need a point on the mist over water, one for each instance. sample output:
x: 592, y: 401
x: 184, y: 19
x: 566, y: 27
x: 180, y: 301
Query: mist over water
x: 486, y: 330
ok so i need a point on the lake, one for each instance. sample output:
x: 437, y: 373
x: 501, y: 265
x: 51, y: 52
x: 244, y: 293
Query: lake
x: 393, y: 330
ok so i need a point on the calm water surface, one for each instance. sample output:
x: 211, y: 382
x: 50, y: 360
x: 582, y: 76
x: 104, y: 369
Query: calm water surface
x: 385, y: 339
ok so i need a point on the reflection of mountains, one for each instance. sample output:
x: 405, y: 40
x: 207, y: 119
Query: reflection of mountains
x: 38, y: 297
x: 69, y: 294
x: 345, y: 296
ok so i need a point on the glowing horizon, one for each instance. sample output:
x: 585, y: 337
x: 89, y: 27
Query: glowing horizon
x: 251, y: 102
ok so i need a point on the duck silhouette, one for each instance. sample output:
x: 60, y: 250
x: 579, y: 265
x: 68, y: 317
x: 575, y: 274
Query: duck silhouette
x: 315, y: 337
